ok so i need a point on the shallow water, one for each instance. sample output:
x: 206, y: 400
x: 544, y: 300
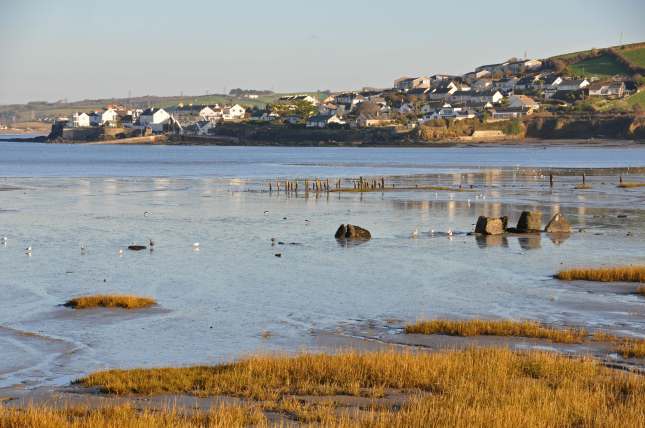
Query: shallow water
x: 215, y: 303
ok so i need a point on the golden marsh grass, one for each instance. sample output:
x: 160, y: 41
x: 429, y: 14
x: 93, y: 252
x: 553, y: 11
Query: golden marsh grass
x: 111, y: 301
x: 468, y: 388
x: 528, y: 329
x: 609, y: 274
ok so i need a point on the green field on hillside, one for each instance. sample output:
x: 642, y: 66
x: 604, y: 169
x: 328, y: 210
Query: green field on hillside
x: 635, y: 56
x: 602, y: 66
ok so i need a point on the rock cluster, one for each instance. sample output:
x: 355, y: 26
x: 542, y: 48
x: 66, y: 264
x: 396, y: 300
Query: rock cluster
x: 529, y: 222
x: 352, y: 232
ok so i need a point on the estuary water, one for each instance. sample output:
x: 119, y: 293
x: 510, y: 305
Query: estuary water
x: 234, y: 296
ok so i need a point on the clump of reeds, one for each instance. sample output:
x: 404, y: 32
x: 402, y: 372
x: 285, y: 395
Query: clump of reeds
x: 632, y: 348
x: 473, y: 387
x: 609, y: 274
x: 630, y: 185
x: 583, y: 186
x: 530, y: 329
x: 110, y: 301
x: 641, y: 290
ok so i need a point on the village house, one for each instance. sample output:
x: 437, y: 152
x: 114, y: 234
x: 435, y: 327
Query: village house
x: 327, y: 108
x: 522, y: 102
x: 95, y: 118
x: 264, y: 116
x: 406, y: 108
x: 527, y: 83
x: 508, y: 113
x: 442, y: 92
x: 366, y: 120
x: 492, y: 68
x: 323, y: 121
x: 491, y: 96
x: 212, y: 114
x: 482, y: 84
x: 302, y: 98
x: 607, y: 89
x: 109, y: 117
x: 154, y: 118
x: 521, y: 66
x: 551, y: 82
x: 80, y: 120
x: 573, y: 84
x: 408, y: 83
x: 506, y: 84
x: 349, y: 100
x: 235, y: 112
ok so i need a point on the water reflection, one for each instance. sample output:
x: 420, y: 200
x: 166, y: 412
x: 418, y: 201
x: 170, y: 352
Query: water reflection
x: 484, y: 241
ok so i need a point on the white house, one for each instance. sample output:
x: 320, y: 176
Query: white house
x: 154, y: 118
x: 305, y: 98
x: 80, y: 120
x: 323, y: 121
x: 208, y: 113
x: 573, y: 84
x: 523, y: 102
x: 608, y: 90
x: 234, y: 113
x: 109, y: 116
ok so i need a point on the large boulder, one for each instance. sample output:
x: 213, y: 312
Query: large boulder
x: 558, y: 224
x: 491, y: 225
x: 530, y: 221
x: 352, y: 232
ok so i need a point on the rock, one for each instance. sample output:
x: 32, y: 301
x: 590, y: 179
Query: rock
x: 491, y: 225
x: 136, y: 247
x: 530, y: 221
x: 352, y: 232
x: 558, y: 224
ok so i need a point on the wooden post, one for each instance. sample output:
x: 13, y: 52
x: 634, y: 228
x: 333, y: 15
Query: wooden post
x: 621, y: 179
x: 270, y: 188
x: 551, y: 180
x: 583, y: 179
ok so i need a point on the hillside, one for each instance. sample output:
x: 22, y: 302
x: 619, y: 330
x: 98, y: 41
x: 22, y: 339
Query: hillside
x: 602, y: 63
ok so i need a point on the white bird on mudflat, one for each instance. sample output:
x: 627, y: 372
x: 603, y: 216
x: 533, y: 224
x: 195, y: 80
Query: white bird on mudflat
x: 415, y: 233
x: 449, y: 232
x: 120, y: 252
x: 28, y: 250
x: 195, y: 246
x: 83, y: 248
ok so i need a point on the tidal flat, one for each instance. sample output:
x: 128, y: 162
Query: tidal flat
x: 230, y: 297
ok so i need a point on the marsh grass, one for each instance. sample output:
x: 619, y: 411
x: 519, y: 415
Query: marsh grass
x: 583, y: 187
x: 630, y: 185
x: 126, y: 416
x: 641, y: 290
x: 110, y: 301
x: 475, y: 387
x: 610, y: 274
x: 632, y: 348
x: 528, y: 329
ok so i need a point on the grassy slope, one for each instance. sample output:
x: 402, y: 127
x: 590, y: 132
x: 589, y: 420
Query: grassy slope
x: 636, y: 56
x: 603, y: 66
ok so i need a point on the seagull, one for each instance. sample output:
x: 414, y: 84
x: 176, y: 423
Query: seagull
x: 449, y: 232
x: 195, y: 246
x: 266, y: 212
x: 147, y: 213
x: 28, y: 250
x: 120, y: 252
x: 431, y: 231
x: 83, y: 248
x: 151, y: 244
x: 415, y: 233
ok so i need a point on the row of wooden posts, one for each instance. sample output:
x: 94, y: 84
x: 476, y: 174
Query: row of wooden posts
x: 318, y: 185
x: 584, y: 179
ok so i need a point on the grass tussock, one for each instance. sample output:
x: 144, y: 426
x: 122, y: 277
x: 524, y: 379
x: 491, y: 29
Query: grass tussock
x: 583, y: 186
x: 111, y: 301
x: 610, y: 274
x: 529, y: 329
x: 632, y: 348
x: 128, y: 417
x: 630, y: 185
x: 474, y: 387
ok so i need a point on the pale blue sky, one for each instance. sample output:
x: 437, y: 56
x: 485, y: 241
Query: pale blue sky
x: 84, y: 49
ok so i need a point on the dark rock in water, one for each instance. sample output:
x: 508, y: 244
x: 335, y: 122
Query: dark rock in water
x: 136, y: 247
x: 278, y: 254
x: 530, y: 221
x: 491, y: 225
x: 352, y: 232
x: 558, y: 224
